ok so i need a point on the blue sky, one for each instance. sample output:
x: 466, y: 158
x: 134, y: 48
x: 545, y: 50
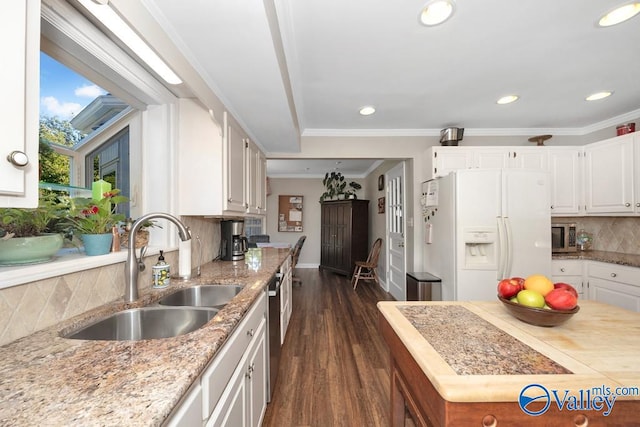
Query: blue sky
x: 63, y: 93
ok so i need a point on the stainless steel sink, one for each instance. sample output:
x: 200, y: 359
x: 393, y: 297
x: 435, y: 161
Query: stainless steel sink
x: 203, y: 296
x: 146, y: 323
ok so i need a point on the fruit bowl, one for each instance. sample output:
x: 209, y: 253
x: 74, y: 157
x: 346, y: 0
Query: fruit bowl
x: 538, y: 316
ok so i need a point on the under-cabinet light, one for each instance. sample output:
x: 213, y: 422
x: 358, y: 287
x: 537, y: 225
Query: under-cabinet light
x: 105, y: 14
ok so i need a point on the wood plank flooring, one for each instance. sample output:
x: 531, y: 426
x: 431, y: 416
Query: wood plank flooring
x: 334, y: 368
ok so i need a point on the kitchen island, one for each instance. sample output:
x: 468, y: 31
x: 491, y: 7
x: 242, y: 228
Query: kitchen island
x: 472, y: 363
x: 46, y: 379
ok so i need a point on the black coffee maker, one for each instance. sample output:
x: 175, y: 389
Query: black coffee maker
x: 233, y: 244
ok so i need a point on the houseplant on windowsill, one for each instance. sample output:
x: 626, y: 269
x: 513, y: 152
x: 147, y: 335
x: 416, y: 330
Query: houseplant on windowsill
x: 142, y: 236
x: 94, y: 220
x: 29, y: 236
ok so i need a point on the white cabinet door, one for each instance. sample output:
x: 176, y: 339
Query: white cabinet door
x: 257, y: 373
x: 614, y: 284
x: 442, y: 160
x: 609, y: 176
x: 491, y: 158
x: 565, y: 166
x: 189, y: 411
x: 19, y: 81
x: 235, y: 146
x: 529, y: 158
x: 256, y: 179
x: 569, y: 271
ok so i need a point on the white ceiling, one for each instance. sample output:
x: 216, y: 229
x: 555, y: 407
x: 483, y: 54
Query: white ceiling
x: 287, y: 68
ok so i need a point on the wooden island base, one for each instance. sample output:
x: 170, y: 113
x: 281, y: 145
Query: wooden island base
x: 415, y: 400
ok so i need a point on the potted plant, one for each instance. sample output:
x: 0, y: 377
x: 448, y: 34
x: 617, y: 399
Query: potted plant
x: 335, y: 187
x: 30, y: 236
x: 142, y: 236
x: 94, y: 220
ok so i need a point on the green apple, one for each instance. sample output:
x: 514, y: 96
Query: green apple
x: 514, y: 299
x: 530, y: 298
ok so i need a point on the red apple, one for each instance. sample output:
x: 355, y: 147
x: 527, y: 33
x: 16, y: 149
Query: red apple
x: 566, y: 286
x: 561, y: 299
x: 507, y: 288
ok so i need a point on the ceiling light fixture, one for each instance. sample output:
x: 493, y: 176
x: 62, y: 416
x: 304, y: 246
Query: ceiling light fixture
x: 619, y: 14
x: 435, y: 12
x: 598, y: 95
x: 508, y: 99
x: 105, y: 14
x: 367, y: 110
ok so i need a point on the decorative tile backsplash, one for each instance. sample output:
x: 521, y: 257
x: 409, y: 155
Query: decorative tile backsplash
x: 612, y: 234
x: 33, y: 306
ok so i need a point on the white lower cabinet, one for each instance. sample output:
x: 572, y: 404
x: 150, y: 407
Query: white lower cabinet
x: 232, y: 391
x: 614, y: 284
x: 569, y: 271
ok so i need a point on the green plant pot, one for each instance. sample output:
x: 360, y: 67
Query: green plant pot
x: 97, y: 244
x: 29, y: 250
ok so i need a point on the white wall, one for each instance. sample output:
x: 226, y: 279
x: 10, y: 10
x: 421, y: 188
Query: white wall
x: 310, y: 189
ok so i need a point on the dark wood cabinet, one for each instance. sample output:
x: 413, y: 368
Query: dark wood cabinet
x: 344, y: 235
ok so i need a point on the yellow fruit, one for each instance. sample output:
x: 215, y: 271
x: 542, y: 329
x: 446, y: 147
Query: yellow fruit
x: 538, y: 283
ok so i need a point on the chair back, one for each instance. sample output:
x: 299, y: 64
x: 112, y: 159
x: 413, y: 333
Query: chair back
x: 375, y: 252
x: 296, y: 250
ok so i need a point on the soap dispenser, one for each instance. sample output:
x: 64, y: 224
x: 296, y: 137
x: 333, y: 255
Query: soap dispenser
x: 161, y: 273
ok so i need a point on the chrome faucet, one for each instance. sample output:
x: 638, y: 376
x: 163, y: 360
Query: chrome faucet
x: 132, y: 266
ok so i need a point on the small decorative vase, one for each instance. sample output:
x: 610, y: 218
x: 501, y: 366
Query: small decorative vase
x: 97, y: 244
x: 29, y: 250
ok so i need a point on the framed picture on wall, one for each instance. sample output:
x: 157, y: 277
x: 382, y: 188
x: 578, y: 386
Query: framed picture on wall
x: 381, y: 205
x: 381, y: 183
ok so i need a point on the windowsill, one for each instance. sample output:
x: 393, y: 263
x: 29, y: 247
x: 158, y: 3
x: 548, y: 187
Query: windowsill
x: 67, y: 260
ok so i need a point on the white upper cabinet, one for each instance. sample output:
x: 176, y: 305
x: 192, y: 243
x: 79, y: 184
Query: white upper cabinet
x: 19, y: 81
x: 256, y: 179
x: 609, y: 184
x: 235, y: 144
x: 442, y: 160
x: 565, y: 166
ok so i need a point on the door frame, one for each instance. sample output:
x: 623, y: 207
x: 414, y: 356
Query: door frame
x: 403, y: 176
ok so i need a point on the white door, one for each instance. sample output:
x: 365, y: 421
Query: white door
x: 395, y: 211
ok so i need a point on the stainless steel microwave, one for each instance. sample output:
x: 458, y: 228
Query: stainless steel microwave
x: 563, y: 237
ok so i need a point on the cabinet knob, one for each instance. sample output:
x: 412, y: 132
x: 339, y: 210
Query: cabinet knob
x: 637, y: 205
x: 18, y: 158
x: 613, y: 274
x: 551, y: 206
x: 562, y: 269
x: 627, y: 204
x: 250, y: 332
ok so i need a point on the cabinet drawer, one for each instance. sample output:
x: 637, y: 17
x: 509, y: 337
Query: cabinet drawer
x: 566, y: 268
x: 615, y: 273
x: 189, y: 411
x: 218, y: 374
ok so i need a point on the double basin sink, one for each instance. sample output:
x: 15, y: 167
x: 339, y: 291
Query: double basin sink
x: 176, y: 314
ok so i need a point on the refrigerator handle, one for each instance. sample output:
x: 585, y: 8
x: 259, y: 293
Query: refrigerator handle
x: 509, y: 248
x: 501, y: 249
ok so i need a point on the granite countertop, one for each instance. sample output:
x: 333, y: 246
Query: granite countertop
x: 619, y: 258
x: 49, y: 380
x: 478, y: 352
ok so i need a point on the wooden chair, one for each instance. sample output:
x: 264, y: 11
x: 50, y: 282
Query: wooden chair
x: 294, y: 259
x: 366, y: 270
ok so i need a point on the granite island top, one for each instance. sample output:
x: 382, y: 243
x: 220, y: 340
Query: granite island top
x: 49, y: 380
x: 630, y: 260
x: 478, y: 352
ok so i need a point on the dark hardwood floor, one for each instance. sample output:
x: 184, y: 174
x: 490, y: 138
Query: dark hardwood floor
x: 334, y: 368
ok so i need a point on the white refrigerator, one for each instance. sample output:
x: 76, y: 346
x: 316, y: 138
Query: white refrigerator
x: 482, y: 225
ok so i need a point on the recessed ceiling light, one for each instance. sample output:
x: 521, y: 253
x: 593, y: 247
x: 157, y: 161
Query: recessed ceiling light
x: 507, y: 99
x: 620, y: 14
x: 367, y: 110
x: 598, y: 95
x: 435, y: 12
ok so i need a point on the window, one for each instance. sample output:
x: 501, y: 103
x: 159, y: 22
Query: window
x: 73, y: 110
